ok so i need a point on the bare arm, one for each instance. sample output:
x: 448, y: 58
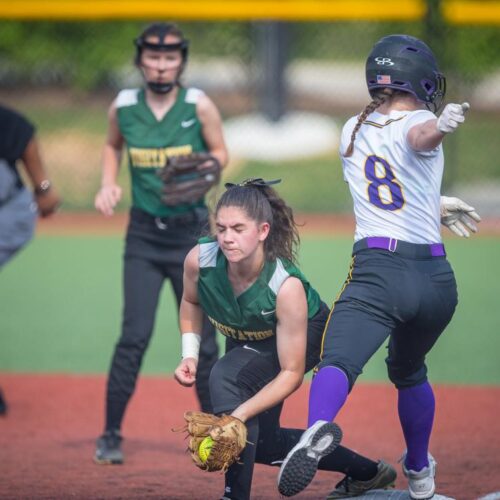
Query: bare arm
x: 190, y: 318
x: 429, y: 135
x: 110, y: 193
x: 211, y: 123
x: 425, y: 136
x: 291, y: 311
x: 47, y: 200
x: 190, y: 313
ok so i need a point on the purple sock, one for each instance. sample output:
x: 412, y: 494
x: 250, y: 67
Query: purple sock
x: 329, y: 389
x: 416, y: 413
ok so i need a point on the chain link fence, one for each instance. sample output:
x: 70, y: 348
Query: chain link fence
x: 284, y: 90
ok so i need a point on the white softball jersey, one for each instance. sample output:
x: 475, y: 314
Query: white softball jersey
x: 395, y: 190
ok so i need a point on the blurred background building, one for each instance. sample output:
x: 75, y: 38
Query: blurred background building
x: 284, y: 73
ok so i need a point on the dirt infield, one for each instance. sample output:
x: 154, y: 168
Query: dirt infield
x: 92, y: 223
x: 47, y: 440
x: 66, y: 223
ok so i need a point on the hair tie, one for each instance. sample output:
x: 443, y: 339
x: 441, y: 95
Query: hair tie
x: 257, y: 182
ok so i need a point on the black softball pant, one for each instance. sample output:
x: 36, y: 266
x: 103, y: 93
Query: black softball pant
x: 236, y: 377
x: 400, y: 295
x: 155, y: 251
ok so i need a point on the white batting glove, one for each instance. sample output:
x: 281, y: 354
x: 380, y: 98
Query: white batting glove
x: 458, y: 217
x: 451, y: 117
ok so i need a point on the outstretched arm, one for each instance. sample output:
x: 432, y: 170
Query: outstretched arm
x: 429, y: 135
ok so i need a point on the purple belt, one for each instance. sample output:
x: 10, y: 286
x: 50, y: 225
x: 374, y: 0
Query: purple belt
x: 411, y: 250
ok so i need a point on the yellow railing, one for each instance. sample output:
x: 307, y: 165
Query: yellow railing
x: 470, y: 12
x: 215, y: 9
x: 454, y: 11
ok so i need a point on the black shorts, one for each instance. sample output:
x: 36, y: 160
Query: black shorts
x: 408, y: 295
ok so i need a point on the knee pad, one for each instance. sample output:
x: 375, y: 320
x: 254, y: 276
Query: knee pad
x: 403, y: 377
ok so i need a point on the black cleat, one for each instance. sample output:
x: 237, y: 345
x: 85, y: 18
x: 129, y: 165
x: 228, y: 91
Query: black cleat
x: 3, y: 405
x: 348, y: 487
x: 108, y: 450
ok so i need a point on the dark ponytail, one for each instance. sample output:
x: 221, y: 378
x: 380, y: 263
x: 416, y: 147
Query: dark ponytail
x: 263, y: 204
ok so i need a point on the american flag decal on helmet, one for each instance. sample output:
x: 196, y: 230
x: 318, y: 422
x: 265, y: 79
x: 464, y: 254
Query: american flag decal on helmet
x: 383, y: 79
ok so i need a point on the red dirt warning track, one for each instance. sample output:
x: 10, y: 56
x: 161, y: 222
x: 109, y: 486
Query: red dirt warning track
x: 92, y: 223
x: 47, y: 440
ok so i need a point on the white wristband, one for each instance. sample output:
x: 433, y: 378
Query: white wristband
x: 190, y: 345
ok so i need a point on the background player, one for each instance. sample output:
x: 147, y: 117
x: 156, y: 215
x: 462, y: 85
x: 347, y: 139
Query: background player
x: 19, y: 205
x: 154, y: 122
x: 400, y: 284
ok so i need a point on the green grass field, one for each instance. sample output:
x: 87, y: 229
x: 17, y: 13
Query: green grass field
x: 60, y: 303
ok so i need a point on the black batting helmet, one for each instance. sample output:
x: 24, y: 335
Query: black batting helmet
x: 405, y: 63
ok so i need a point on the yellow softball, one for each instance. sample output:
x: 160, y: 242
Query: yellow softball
x: 204, y: 449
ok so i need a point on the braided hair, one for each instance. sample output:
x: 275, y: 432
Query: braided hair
x: 263, y: 204
x: 378, y: 98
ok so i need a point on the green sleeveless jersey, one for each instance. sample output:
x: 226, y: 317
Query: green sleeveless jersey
x: 250, y: 316
x: 151, y: 141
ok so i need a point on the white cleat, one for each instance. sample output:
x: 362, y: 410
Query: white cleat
x: 301, y: 463
x: 421, y: 485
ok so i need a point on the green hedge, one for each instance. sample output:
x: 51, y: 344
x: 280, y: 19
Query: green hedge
x: 89, y: 55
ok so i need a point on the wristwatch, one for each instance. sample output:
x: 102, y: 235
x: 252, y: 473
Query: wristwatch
x: 43, y: 187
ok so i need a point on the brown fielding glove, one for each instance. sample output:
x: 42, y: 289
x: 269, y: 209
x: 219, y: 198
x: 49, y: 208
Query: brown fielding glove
x: 229, y: 436
x: 187, y: 178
